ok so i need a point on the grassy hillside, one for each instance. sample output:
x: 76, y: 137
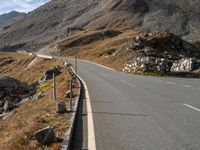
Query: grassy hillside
x: 17, y: 131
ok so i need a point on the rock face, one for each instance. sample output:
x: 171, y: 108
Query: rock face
x: 185, y: 65
x: 9, y: 18
x: 161, y: 52
x: 12, y: 92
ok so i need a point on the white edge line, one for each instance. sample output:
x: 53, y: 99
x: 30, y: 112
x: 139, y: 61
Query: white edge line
x: 170, y: 82
x: 197, y: 109
x: 98, y: 64
x: 91, y: 132
x: 185, y: 85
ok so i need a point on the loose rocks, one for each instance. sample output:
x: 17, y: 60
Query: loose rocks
x: 62, y: 107
x: 46, y: 136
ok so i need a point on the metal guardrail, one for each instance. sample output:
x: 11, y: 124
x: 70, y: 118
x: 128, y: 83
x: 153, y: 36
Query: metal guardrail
x: 69, y: 135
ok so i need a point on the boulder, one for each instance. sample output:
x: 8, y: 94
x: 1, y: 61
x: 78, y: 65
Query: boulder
x: 48, y: 75
x: 45, y: 136
x: 8, y: 84
x: 12, y: 85
x: 61, y: 107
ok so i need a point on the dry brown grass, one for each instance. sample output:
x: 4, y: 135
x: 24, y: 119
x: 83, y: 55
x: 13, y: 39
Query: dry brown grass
x: 16, y: 132
x: 101, y: 51
x: 26, y: 68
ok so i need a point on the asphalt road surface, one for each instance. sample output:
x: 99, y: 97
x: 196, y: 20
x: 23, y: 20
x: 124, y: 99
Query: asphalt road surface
x: 133, y: 112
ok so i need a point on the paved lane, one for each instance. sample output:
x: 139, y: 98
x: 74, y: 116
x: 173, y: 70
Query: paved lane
x: 133, y: 112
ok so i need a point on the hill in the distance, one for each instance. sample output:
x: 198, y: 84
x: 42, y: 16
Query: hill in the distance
x: 11, y: 17
x: 54, y: 20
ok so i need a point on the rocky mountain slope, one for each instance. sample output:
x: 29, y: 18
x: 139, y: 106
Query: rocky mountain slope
x: 9, y: 18
x: 62, y: 18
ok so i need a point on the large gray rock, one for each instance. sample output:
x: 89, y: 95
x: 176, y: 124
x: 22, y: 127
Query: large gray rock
x: 9, y: 85
x: 61, y: 107
x: 48, y: 75
x: 46, y: 136
x: 185, y: 65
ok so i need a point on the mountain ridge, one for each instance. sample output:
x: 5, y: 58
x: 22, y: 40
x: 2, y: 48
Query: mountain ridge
x: 10, y: 18
x: 53, y: 20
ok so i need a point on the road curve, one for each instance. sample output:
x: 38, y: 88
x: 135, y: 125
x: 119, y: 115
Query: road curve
x: 133, y: 112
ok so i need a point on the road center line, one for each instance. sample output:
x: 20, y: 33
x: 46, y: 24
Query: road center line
x: 170, y: 82
x: 189, y: 106
x: 128, y: 83
x: 185, y: 85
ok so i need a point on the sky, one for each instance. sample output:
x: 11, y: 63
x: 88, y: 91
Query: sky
x: 20, y: 5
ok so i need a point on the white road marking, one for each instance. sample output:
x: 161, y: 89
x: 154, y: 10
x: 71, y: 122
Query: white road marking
x: 185, y: 85
x: 170, y: 82
x: 197, y: 109
x: 98, y: 64
x: 131, y: 84
x: 91, y: 132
